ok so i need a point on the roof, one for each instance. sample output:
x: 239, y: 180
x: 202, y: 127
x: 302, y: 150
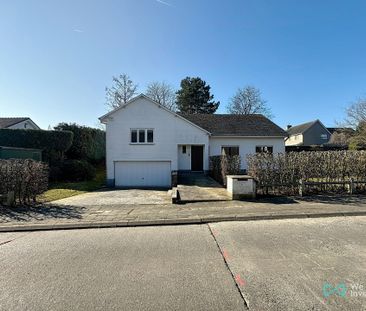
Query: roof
x: 301, y: 128
x: 255, y: 125
x: 6, y: 122
x: 332, y: 130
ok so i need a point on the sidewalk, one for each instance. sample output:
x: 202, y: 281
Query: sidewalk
x: 54, y: 216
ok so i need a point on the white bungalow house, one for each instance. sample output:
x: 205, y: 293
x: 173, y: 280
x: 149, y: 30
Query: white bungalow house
x: 18, y: 123
x: 146, y: 142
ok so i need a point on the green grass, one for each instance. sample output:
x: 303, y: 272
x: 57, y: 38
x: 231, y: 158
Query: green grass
x: 59, y: 191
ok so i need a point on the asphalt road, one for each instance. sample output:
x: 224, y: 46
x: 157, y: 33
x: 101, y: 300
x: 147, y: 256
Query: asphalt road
x: 266, y: 265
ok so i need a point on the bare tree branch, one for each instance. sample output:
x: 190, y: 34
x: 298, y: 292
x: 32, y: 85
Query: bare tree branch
x: 162, y: 93
x: 248, y: 100
x: 121, y: 92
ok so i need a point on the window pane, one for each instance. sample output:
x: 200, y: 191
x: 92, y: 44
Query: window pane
x: 184, y: 149
x: 134, y: 136
x: 150, y: 136
x: 230, y: 151
x: 141, y: 136
x: 266, y: 149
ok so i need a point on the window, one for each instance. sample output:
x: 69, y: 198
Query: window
x: 150, y: 136
x: 324, y: 136
x: 133, y: 136
x: 265, y: 149
x: 142, y: 136
x: 230, y: 150
x: 184, y: 149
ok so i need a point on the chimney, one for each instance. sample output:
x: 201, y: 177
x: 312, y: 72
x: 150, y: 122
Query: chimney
x: 289, y: 126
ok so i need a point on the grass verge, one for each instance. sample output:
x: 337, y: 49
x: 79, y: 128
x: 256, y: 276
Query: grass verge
x: 59, y: 191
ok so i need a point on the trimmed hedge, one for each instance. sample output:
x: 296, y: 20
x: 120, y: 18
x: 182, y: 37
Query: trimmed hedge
x: 37, y: 139
x: 27, y: 178
x: 221, y: 166
x: 72, y: 171
x: 88, y: 144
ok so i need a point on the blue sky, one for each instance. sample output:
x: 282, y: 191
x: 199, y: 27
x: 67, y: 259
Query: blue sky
x: 306, y: 56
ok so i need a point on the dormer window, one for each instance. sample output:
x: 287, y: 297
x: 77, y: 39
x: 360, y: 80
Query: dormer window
x: 142, y: 136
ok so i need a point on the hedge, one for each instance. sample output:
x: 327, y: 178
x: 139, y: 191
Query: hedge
x: 52, y: 143
x: 284, y: 171
x: 221, y: 166
x: 88, y: 144
x: 27, y: 178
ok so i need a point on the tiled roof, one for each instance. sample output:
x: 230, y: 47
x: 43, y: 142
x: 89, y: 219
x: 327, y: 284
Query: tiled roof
x: 301, y: 128
x: 236, y: 125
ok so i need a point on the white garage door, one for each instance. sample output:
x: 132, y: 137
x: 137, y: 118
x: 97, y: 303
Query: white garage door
x: 142, y: 174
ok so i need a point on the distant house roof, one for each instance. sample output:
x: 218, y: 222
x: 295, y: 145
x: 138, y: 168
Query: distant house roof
x: 6, y: 122
x: 332, y: 130
x: 236, y: 125
x: 301, y: 128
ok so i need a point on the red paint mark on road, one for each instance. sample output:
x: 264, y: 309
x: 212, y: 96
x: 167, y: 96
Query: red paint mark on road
x: 239, y: 280
x: 225, y: 254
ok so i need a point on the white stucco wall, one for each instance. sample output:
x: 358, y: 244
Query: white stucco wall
x: 169, y: 132
x: 246, y: 146
x: 294, y: 140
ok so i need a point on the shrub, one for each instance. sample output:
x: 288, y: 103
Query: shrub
x: 88, y: 143
x: 73, y: 170
x: 221, y: 166
x: 53, y: 143
x: 284, y: 171
x: 27, y: 178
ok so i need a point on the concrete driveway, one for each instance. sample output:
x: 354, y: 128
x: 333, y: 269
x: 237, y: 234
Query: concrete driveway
x: 118, y: 197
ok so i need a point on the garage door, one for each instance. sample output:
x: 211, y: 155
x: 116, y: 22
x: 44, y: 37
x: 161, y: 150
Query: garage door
x: 142, y: 174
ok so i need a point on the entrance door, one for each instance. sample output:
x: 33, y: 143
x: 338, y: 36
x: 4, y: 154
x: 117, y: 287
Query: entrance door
x: 197, y: 158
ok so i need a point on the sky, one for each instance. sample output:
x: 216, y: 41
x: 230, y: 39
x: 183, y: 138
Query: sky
x: 308, y: 57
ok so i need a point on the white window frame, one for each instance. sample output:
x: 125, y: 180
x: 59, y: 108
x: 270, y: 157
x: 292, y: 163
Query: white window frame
x: 138, y: 136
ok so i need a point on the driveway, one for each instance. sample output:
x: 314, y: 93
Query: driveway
x: 118, y: 197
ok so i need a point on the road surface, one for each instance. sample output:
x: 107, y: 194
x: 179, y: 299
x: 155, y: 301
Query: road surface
x: 260, y: 265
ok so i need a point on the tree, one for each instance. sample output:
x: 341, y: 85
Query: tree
x: 194, y: 97
x: 356, y: 113
x: 121, y: 92
x: 162, y: 93
x: 248, y: 100
x: 358, y: 141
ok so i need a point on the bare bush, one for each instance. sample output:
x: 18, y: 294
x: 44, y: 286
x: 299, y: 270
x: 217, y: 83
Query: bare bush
x: 282, y: 173
x: 221, y: 166
x: 26, y: 178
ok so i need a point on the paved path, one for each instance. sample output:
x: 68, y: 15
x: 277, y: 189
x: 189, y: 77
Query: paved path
x: 200, y: 188
x: 63, y: 215
x: 266, y: 265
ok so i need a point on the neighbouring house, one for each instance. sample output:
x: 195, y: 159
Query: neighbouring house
x: 18, y: 123
x: 146, y: 142
x: 307, y: 134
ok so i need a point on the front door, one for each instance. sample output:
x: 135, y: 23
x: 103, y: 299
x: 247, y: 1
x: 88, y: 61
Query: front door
x: 197, y: 158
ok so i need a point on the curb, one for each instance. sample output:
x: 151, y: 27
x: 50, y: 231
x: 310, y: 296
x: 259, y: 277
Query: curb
x: 170, y: 222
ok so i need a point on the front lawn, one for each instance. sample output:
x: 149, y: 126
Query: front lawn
x: 59, y: 191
